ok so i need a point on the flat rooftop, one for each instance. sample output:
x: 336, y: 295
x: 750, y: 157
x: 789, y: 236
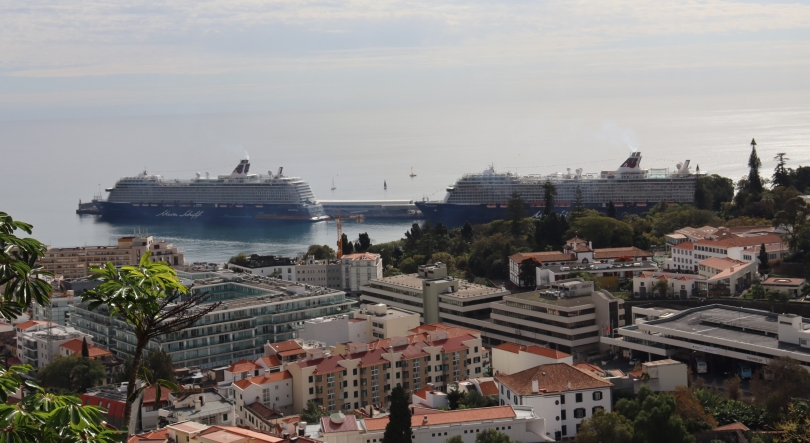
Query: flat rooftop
x: 564, y: 302
x: 464, y: 289
x: 739, y: 325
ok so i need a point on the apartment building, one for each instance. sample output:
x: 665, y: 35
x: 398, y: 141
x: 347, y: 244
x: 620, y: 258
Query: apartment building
x: 39, y: 343
x: 683, y: 258
x: 725, y: 276
x: 76, y: 262
x: 563, y: 317
x: 360, y: 374
x: 434, y: 296
x: 607, y: 274
x: 261, y: 398
x: 576, y: 251
x: 58, y: 308
x: 734, y: 247
x: 254, y: 310
x: 267, y: 265
x: 358, y: 269
x: 694, y: 235
x: 561, y: 394
x: 371, y: 322
x: 678, y: 285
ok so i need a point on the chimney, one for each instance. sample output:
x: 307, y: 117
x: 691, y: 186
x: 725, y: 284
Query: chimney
x: 425, y: 421
x: 196, y: 405
x: 535, y: 386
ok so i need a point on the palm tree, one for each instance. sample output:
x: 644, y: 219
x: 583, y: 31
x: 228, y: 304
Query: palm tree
x: 20, y: 275
x: 151, y: 300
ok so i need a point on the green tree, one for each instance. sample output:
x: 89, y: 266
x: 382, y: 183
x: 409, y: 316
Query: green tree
x: 85, y: 349
x: 764, y: 263
x: 467, y: 232
x: 72, y: 374
x: 611, y: 210
x: 604, y: 232
x: 790, y: 380
x: 152, y: 302
x: 793, y: 218
x: 712, y: 191
x: 757, y: 292
x: 348, y: 246
x: 489, y: 256
x: 605, y: 427
x: 549, y: 194
x: 160, y: 364
x: 528, y: 272
x: 240, y: 259
x: 781, y: 175
x: 413, y: 238
x: 653, y: 417
x: 443, y: 257
x: 661, y: 287
x: 313, y: 412
x: 398, y: 429
x: 515, y: 212
x: 21, y: 280
x: 492, y: 436
x: 473, y: 399
x: 680, y: 216
x: 795, y: 428
x: 754, y: 163
x: 455, y: 398
x: 321, y: 252
x: 408, y: 266
x: 774, y: 297
x: 365, y: 241
x: 454, y: 439
x: 45, y: 417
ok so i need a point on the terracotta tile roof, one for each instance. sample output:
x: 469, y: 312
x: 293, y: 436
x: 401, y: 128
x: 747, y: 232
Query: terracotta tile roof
x: 150, y: 393
x: 448, y: 417
x: 630, y: 251
x: 292, y: 352
x: 721, y: 263
x: 156, y: 436
x: 533, y: 349
x: 542, y: 257
x: 488, y: 388
x: 28, y: 324
x: 288, y: 345
x: 14, y: 361
x: 356, y: 320
x: 422, y: 393
x: 271, y: 361
x: 554, y: 377
x: 263, y: 411
x: 685, y: 245
x: 509, y: 347
x: 596, y: 370
x: 75, y: 346
x: 223, y: 434
x: 736, y: 426
x: 451, y: 330
x: 243, y: 366
x: 272, y: 377
x: 349, y: 424
x: 741, y: 241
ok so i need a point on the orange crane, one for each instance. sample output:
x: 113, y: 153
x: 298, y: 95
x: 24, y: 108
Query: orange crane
x: 339, y: 222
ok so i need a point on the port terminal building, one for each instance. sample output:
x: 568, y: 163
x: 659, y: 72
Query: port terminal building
x: 724, y: 334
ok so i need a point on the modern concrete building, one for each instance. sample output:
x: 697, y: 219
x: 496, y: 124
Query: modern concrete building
x: 678, y: 285
x: 359, y: 269
x: 255, y: 310
x: 725, y: 276
x: 282, y: 268
x: 665, y: 375
x: 434, y: 296
x: 57, y: 310
x: 76, y: 262
x: 205, y: 406
x: 39, y: 343
x: 559, y: 393
x: 719, y: 334
x: 607, y: 274
x: 372, y: 321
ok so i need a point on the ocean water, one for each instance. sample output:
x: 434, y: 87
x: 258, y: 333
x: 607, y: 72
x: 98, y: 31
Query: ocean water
x: 47, y: 166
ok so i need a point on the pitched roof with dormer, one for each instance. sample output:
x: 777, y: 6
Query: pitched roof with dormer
x: 553, y: 377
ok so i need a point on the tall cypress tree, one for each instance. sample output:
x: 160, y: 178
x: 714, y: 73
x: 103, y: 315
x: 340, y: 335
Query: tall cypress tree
x: 398, y: 429
x: 781, y: 175
x: 549, y: 193
x: 754, y: 163
x: 611, y: 210
x: 85, y: 349
x: 764, y: 265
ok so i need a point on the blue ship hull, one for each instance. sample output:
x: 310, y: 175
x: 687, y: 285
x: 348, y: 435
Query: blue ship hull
x: 453, y: 215
x: 208, y: 212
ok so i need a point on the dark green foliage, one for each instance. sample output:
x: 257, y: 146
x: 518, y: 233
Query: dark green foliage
x: 549, y: 232
x: 454, y: 398
x: 398, y: 429
x: 346, y: 245
x: 781, y: 175
x: 240, y: 259
x: 489, y: 256
x: 473, y: 399
x: 579, y: 202
x: 680, y: 216
x: 793, y: 217
x: 160, y: 365
x: 491, y: 436
x: 800, y: 179
x: 528, y: 272
x: 467, y: 232
x: 653, y: 418
x: 604, y: 232
x: 611, y: 210
x: 605, y: 427
x: 408, y: 266
x: 764, y: 262
x: 711, y: 191
x: 754, y: 163
x: 321, y: 252
x: 365, y: 242
x: 515, y: 212
x: 20, y: 274
x: 85, y: 349
x: 72, y: 374
x: 313, y: 413
x: 731, y: 411
x: 790, y: 380
x: 454, y: 439
x: 549, y: 194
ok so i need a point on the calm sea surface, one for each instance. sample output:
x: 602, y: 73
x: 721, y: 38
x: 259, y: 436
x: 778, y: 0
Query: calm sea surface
x: 47, y: 166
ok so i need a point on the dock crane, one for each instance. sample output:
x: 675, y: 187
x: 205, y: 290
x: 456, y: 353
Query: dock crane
x: 339, y: 222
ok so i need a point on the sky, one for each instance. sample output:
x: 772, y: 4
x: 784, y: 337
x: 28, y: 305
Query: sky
x: 123, y: 58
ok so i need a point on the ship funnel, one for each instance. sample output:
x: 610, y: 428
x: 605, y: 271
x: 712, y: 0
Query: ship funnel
x: 685, y: 168
x: 632, y: 162
x: 199, y: 175
x: 280, y: 170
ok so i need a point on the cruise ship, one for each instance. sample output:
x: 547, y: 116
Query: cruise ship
x: 483, y: 197
x: 238, y: 196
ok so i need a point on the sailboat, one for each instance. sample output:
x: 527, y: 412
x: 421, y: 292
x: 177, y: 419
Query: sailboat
x: 385, y: 185
x: 333, y: 184
x: 412, y: 174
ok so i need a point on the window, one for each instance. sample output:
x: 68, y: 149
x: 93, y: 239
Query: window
x: 579, y: 413
x: 354, y: 371
x: 562, y: 414
x: 562, y: 399
x: 579, y: 398
x: 565, y: 430
x: 596, y: 408
x: 597, y: 395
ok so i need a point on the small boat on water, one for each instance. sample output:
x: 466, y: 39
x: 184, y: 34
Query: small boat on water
x: 412, y: 174
x: 333, y: 184
x: 385, y: 184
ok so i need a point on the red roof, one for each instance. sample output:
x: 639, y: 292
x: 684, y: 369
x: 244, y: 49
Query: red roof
x: 533, y: 349
x: 362, y: 256
x: 742, y: 241
x: 722, y: 263
x: 150, y: 393
x: 422, y: 393
x: 448, y: 417
x: 75, y: 346
x: 553, y: 377
x: 271, y: 361
x: 736, y: 426
x: 155, y: 436
x: 272, y: 377
x: 685, y: 245
x: 630, y: 251
x: 349, y: 424
x: 488, y: 388
x: 30, y: 323
x: 292, y: 352
x: 243, y: 366
x: 288, y: 345
x: 543, y: 257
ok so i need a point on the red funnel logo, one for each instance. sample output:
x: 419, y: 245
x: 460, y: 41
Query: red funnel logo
x: 631, y: 163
